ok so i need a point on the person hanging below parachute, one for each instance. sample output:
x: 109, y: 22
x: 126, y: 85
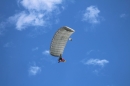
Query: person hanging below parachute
x: 61, y: 59
x: 59, y: 42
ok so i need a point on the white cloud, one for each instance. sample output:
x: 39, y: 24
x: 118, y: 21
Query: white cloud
x: 24, y: 19
x: 36, y: 13
x: 2, y: 27
x: 57, y: 21
x: 8, y: 44
x: 33, y: 70
x: 41, y: 5
x: 96, y: 62
x: 91, y: 15
x: 34, y: 49
x: 122, y: 15
x: 89, y: 52
x: 47, y: 57
x: 46, y: 52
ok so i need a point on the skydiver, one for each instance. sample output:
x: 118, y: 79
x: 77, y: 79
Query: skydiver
x: 61, y: 59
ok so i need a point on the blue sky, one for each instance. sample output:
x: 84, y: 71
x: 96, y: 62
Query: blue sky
x: 99, y: 54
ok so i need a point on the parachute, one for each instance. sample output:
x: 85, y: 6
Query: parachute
x: 59, y: 40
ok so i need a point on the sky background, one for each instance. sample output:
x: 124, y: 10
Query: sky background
x: 98, y: 55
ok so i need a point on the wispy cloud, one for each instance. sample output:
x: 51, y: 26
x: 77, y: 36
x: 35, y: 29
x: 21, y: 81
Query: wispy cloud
x: 2, y: 27
x: 89, y: 52
x: 91, y: 15
x: 33, y: 70
x: 40, y: 5
x: 47, y: 57
x: 46, y: 52
x: 8, y: 44
x: 36, y: 13
x: 96, y: 62
x: 25, y: 19
x: 34, y: 49
x: 57, y: 21
x: 123, y: 15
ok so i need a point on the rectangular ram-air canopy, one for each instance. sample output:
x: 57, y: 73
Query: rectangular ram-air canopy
x: 59, y: 40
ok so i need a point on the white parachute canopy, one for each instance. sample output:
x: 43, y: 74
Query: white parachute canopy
x: 59, y: 40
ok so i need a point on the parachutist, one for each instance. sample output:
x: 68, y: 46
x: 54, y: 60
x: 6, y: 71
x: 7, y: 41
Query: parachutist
x: 59, y: 42
x: 61, y: 59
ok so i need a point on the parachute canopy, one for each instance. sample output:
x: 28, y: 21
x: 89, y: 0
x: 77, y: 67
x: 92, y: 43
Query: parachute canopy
x: 59, y: 40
